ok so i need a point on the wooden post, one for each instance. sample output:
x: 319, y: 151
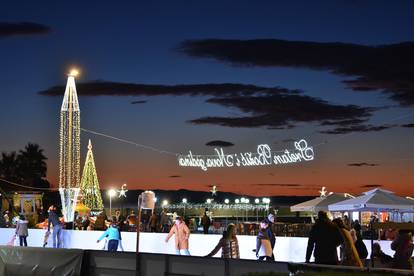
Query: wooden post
x: 138, y: 225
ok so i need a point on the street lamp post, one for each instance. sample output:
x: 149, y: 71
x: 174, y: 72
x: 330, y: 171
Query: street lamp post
x: 185, y: 203
x: 257, y: 201
x: 111, y: 193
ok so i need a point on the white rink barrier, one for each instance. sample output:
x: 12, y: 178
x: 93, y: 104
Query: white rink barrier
x: 287, y: 249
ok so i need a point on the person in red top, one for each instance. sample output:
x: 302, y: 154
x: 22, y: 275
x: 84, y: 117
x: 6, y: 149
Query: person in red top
x: 182, y: 234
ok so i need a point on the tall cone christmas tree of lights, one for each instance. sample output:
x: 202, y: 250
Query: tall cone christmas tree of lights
x: 69, y: 155
x: 89, y: 187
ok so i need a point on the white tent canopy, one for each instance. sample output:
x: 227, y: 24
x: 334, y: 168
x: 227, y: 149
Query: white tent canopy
x: 377, y: 200
x: 319, y: 204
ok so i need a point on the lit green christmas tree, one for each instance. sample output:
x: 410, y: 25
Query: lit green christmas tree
x: 90, y: 191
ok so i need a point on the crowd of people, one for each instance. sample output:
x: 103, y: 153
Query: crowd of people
x: 325, y: 237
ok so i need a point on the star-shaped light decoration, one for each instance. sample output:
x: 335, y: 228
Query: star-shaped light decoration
x: 323, y: 191
x: 213, y: 190
x: 122, y: 192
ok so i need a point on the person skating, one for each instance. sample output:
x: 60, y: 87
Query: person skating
x: 182, y: 234
x: 264, y: 250
x: 53, y: 220
x: 114, y: 237
x: 269, y: 230
x: 22, y: 230
x: 228, y: 244
x: 324, y: 238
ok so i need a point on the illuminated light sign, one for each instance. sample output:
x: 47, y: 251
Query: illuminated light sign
x: 262, y: 157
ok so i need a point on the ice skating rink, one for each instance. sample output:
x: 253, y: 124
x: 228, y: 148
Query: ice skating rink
x: 287, y: 249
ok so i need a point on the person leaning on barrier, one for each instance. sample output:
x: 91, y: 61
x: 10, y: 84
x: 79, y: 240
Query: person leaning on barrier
x: 324, y: 238
x: 270, y: 221
x: 349, y: 253
x: 228, y: 244
x: 359, y: 244
x: 114, y: 237
x: 53, y: 220
x: 403, y: 247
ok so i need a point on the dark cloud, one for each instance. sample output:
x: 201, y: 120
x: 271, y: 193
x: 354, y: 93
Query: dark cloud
x: 271, y: 107
x: 281, y: 111
x: 356, y: 128
x: 388, y: 68
x: 174, y: 176
x: 22, y: 28
x: 371, y: 186
x: 408, y: 125
x: 363, y: 164
x: 344, y: 122
x: 139, y: 102
x: 107, y: 88
x: 280, y: 185
x: 219, y: 143
x: 288, y: 140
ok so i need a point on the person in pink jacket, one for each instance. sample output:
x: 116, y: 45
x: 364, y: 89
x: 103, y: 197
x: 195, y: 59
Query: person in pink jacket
x: 182, y: 234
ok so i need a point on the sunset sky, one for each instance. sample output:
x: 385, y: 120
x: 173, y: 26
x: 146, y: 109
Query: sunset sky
x: 176, y: 75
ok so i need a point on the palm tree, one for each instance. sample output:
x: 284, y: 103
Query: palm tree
x: 8, y: 166
x: 32, y: 166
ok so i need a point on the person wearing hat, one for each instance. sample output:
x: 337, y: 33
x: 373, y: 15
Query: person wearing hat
x: 269, y: 231
x: 182, y: 234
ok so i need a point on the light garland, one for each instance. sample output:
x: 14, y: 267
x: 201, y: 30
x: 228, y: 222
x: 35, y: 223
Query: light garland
x: 213, y: 205
x: 90, y: 190
x: 264, y: 156
x: 69, y: 155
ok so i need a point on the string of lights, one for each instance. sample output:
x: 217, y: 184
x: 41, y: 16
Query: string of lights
x: 89, y: 188
x: 27, y: 187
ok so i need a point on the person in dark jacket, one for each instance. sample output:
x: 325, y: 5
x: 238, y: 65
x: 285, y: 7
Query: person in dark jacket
x: 269, y: 230
x: 53, y: 220
x: 22, y: 230
x: 324, y: 238
x: 206, y: 222
x: 403, y: 247
x: 359, y: 244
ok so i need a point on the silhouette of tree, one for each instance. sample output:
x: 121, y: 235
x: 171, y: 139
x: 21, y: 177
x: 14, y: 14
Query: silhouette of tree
x: 28, y: 167
x: 8, y: 166
x: 32, y: 166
